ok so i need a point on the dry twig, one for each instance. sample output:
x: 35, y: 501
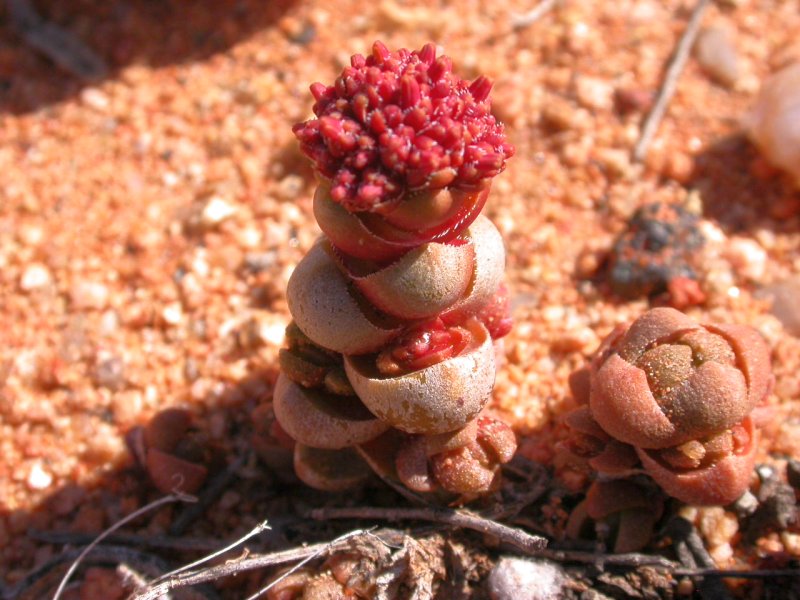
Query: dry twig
x: 529, y: 18
x: 631, y: 560
x: 162, y: 542
x: 258, y: 561
x: 175, y: 497
x: 670, y: 82
x: 37, y: 584
x: 691, y: 552
x: 253, y: 532
x: 527, y: 543
x: 57, y: 44
x: 737, y: 573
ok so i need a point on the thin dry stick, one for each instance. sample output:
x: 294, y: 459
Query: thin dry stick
x: 59, y: 45
x: 131, y: 576
x: 252, y: 562
x: 737, y: 573
x: 311, y: 557
x: 175, y: 497
x: 35, y: 582
x: 529, y: 18
x: 183, y: 544
x: 632, y: 560
x: 253, y: 532
x: 670, y: 82
x: 529, y: 544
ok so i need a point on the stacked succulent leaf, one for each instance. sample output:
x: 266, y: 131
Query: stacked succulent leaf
x: 390, y: 357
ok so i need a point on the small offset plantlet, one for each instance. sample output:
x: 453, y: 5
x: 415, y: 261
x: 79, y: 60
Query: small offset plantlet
x: 390, y: 355
x: 672, y: 399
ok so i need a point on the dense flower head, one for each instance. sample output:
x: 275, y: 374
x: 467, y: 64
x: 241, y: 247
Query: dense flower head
x: 400, y: 122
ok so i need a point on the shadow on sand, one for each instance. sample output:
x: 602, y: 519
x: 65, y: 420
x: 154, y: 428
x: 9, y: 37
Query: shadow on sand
x: 89, y: 41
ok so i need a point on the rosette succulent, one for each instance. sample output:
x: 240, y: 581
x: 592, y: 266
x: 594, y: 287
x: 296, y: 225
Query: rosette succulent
x: 673, y: 398
x: 396, y: 307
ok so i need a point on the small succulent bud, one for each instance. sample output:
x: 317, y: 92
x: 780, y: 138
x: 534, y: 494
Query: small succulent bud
x: 175, y: 454
x: 674, y: 398
x: 465, y: 462
x: 627, y: 509
x: 666, y: 380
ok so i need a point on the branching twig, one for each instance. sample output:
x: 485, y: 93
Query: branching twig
x: 255, y: 561
x: 176, y: 497
x: 529, y: 18
x: 340, y: 539
x: 670, y: 82
x: 253, y: 532
x: 527, y: 543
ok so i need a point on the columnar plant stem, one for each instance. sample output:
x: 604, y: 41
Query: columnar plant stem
x: 397, y: 307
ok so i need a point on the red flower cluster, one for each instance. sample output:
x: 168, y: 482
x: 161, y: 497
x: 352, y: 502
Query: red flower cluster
x: 400, y: 122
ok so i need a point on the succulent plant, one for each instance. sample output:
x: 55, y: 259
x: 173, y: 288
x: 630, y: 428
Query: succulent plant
x: 673, y: 399
x: 774, y: 122
x: 175, y: 454
x: 396, y: 307
x: 625, y: 510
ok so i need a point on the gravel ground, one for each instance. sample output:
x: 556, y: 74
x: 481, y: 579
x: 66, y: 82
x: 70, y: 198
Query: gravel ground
x: 152, y: 211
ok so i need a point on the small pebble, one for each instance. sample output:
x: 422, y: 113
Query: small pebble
x: 745, y: 505
x: 659, y: 246
x: 519, y: 579
x: 110, y: 372
x: 216, y: 211
x: 35, y: 276
x: 716, y: 53
x: 260, y: 261
x: 633, y: 100
x: 172, y: 313
x: 717, y: 525
x: 88, y: 294
x: 38, y: 478
x: 95, y: 98
x: 289, y: 187
x: 594, y: 93
x: 747, y: 258
x: 785, y: 306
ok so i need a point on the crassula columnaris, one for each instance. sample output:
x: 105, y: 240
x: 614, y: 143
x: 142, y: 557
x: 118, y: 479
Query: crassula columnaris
x: 397, y: 305
x: 674, y: 399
